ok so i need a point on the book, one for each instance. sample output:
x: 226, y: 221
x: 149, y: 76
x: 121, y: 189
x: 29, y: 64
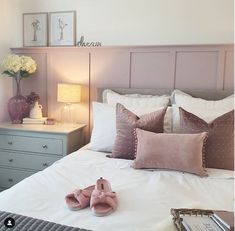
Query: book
x: 225, y: 219
x: 30, y: 119
x: 34, y: 121
x: 199, y: 223
x: 223, y: 228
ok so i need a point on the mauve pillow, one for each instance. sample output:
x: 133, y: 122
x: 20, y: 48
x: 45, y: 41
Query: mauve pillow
x: 126, y: 122
x: 219, y: 152
x: 180, y: 152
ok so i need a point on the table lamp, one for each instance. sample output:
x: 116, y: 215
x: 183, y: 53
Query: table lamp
x: 68, y: 94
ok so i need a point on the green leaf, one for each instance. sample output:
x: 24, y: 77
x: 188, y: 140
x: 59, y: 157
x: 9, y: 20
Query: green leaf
x: 9, y: 73
x: 24, y: 74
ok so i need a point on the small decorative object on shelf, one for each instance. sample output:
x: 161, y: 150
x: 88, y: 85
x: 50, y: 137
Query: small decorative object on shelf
x: 18, y: 67
x: 35, y: 107
x: 50, y: 121
x: 82, y: 43
x: 36, y: 111
x: 32, y: 98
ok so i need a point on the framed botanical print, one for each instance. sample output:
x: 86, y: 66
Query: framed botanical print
x: 62, y: 28
x: 35, y: 29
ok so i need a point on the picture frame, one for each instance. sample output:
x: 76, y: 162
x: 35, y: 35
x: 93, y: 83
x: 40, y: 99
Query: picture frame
x: 62, y: 28
x: 35, y: 29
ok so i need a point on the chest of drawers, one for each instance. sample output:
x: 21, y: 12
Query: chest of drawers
x: 26, y: 149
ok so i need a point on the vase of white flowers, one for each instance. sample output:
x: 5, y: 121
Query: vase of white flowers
x: 18, y: 67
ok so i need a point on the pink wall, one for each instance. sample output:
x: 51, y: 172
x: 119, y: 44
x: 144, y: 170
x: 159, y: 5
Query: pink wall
x: 183, y: 67
x: 6, y: 35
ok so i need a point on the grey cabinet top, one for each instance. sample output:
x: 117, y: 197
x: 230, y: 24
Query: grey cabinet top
x: 57, y: 128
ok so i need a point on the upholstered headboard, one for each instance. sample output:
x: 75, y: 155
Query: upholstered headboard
x: 205, y: 94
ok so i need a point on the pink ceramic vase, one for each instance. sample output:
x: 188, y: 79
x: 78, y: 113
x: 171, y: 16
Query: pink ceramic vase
x: 18, y: 108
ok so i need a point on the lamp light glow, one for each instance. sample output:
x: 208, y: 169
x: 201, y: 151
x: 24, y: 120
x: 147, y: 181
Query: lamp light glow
x: 68, y: 94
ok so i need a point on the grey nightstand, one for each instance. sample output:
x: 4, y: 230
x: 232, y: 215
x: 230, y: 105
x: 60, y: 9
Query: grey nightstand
x: 29, y: 148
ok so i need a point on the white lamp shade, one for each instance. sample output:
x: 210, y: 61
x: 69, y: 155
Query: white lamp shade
x: 68, y: 93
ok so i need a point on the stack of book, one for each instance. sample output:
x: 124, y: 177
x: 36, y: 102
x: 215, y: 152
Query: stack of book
x: 34, y: 121
x: 225, y: 220
x: 203, y: 220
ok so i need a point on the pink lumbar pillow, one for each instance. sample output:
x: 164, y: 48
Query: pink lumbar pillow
x: 219, y: 150
x: 180, y: 152
x: 126, y: 122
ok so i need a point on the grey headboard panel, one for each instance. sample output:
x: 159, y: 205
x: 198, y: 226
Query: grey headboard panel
x: 205, y: 94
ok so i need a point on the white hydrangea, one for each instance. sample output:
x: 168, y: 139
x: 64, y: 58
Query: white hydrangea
x: 15, y: 63
x: 12, y: 63
x: 28, y: 64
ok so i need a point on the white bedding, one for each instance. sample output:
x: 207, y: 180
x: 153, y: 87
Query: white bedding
x: 145, y: 197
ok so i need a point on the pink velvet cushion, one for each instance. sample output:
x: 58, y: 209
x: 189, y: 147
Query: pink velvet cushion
x: 126, y: 122
x: 220, y: 145
x: 180, y: 152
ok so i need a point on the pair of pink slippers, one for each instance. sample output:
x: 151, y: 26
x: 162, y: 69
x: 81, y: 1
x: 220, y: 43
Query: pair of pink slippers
x: 99, y: 197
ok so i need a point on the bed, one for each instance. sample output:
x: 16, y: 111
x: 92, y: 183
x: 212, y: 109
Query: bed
x: 145, y: 197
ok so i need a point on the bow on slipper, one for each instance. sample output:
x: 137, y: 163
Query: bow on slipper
x: 80, y: 198
x: 102, y: 196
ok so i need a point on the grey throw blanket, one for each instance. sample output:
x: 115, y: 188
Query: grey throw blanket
x: 16, y: 222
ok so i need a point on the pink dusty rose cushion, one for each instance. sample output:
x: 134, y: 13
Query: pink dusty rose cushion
x: 180, y: 152
x: 126, y: 122
x: 219, y: 151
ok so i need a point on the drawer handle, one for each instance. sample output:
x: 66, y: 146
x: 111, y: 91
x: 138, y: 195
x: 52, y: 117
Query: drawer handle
x: 45, y: 164
x: 10, y: 180
x: 10, y: 142
x: 45, y: 146
x: 10, y: 160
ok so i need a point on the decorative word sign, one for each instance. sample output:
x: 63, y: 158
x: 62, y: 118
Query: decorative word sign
x: 82, y: 43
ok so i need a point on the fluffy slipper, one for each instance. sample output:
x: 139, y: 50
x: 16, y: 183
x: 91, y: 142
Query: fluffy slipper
x: 80, y: 198
x: 103, y: 200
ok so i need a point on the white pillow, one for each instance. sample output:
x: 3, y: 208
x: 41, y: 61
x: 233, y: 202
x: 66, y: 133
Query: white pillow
x: 177, y: 92
x: 104, y: 95
x: 104, y: 127
x: 207, y: 110
x: 104, y: 124
x: 133, y: 100
x: 185, y: 100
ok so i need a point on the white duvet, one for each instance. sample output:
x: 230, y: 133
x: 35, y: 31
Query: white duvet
x: 145, y: 197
